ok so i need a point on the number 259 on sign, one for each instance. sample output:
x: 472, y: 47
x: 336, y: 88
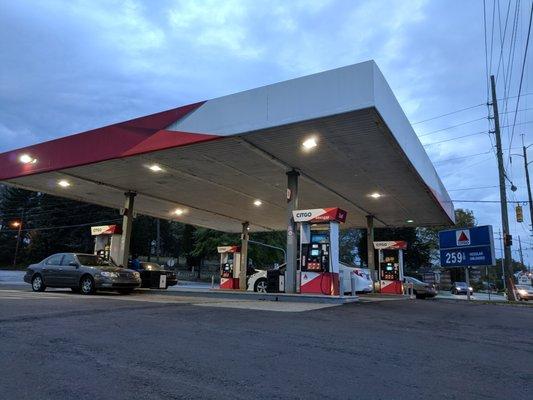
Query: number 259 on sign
x: 455, y: 257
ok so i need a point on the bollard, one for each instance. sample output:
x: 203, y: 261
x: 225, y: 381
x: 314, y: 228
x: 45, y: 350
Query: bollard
x: 353, y: 281
x: 341, y: 281
x: 411, y: 290
x: 212, y: 281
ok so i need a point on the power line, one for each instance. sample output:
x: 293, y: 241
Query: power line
x: 471, y: 134
x: 465, y: 109
x: 490, y: 201
x: 72, y: 226
x: 451, y: 127
x: 522, y: 75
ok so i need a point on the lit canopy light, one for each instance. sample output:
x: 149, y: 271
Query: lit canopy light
x: 15, y: 224
x: 376, y: 195
x: 27, y: 159
x: 409, y: 221
x: 63, y: 183
x: 178, y: 211
x: 155, y: 168
x: 257, y: 203
x: 309, y: 144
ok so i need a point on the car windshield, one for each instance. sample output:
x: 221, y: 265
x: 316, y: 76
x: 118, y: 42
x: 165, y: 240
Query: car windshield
x: 151, y: 266
x: 460, y: 284
x: 414, y: 280
x: 524, y: 287
x: 93, y: 260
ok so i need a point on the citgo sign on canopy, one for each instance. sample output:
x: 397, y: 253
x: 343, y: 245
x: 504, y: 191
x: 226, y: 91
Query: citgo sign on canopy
x: 319, y: 215
x: 467, y: 247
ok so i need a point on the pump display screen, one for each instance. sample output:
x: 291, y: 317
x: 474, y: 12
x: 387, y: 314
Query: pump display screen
x: 320, y: 238
x: 389, y: 267
x: 315, y: 252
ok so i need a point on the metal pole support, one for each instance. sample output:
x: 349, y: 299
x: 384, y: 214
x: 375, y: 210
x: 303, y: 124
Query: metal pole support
x: 341, y: 283
x: 353, y: 281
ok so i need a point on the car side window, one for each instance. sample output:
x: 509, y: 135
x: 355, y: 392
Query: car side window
x: 54, y: 260
x: 67, y: 259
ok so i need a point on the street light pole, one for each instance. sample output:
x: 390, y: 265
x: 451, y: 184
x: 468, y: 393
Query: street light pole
x: 19, y: 224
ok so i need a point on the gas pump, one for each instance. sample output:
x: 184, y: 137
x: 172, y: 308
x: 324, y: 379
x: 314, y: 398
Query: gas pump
x: 107, y: 241
x: 318, y: 269
x: 390, y: 267
x: 230, y: 265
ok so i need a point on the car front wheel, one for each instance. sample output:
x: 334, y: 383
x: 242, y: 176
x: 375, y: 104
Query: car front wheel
x: 87, y: 285
x: 260, y: 286
x: 37, y: 284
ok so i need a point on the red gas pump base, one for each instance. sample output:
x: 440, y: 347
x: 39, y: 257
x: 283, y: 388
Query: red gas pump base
x: 229, y: 283
x: 391, y: 287
x: 326, y: 283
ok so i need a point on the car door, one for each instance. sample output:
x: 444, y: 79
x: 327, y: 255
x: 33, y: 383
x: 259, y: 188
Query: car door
x: 69, y: 274
x: 51, y: 270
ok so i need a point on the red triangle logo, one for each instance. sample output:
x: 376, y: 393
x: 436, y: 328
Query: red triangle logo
x: 463, y: 237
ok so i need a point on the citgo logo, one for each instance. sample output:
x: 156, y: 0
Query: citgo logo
x: 303, y: 214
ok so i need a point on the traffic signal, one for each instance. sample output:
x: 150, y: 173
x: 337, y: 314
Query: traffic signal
x: 508, y: 240
x: 519, y: 214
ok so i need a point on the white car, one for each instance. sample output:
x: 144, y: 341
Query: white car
x: 257, y: 282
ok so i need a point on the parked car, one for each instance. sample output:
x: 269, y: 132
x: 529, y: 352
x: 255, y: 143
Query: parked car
x: 461, y: 288
x: 149, y: 269
x: 421, y: 290
x: 524, y: 292
x: 83, y: 273
x: 257, y: 279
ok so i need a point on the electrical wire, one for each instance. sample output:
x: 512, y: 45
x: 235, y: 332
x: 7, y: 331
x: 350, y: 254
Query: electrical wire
x: 70, y: 226
x: 521, y: 75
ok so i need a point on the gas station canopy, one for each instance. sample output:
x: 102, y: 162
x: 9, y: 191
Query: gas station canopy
x: 224, y: 161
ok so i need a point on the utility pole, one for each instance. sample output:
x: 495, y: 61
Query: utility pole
x: 501, y: 260
x: 520, y: 251
x: 503, y: 197
x: 524, y: 148
x: 158, y: 240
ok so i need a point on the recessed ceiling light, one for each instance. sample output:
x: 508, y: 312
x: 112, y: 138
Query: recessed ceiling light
x: 375, y: 195
x: 155, y: 168
x: 409, y: 221
x: 178, y: 211
x: 63, y: 183
x: 27, y: 159
x: 309, y: 144
x: 257, y: 203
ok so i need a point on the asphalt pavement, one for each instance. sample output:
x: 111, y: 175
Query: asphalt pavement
x: 58, y: 345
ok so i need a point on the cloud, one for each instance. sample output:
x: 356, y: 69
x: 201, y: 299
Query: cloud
x: 69, y: 66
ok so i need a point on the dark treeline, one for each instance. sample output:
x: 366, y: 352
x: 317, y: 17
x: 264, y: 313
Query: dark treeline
x: 51, y: 224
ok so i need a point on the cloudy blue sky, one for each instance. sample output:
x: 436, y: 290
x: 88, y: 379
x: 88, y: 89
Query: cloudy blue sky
x: 69, y: 66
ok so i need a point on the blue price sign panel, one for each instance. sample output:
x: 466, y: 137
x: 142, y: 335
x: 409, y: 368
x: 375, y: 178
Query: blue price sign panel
x: 467, y: 247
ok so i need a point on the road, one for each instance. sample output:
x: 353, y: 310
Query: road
x: 58, y: 345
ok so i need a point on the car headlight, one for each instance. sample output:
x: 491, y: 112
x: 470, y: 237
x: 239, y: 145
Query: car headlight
x: 470, y: 289
x: 109, y: 274
x: 522, y: 292
x: 136, y: 275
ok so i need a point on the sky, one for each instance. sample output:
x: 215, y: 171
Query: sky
x: 70, y: 66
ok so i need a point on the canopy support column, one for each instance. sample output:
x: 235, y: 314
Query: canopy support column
x: 244, y: 256
x: 370, y: 249
x: 127, y: 223
x: 292, y: 240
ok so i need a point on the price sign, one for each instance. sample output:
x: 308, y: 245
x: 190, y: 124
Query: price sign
x: 467, y: 247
